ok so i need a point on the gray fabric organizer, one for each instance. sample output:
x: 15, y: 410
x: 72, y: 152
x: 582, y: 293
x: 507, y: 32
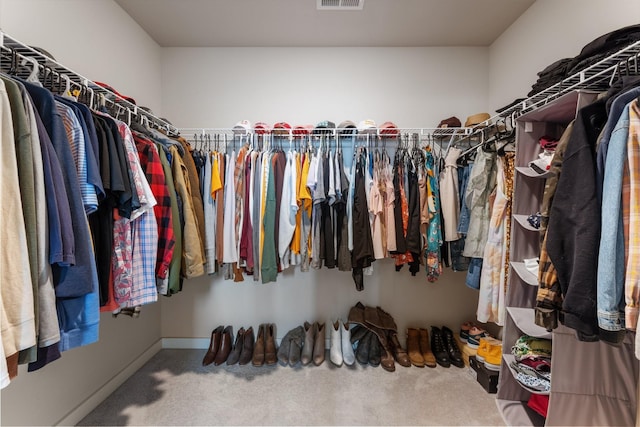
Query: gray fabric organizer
x: 592, y: 383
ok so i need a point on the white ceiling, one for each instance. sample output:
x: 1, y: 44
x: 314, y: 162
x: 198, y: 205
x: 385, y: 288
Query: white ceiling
x: 288, y: 23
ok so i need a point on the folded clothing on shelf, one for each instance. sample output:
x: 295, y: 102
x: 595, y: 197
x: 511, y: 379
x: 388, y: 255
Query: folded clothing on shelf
x: 542, y: 164
x: 531, y: 347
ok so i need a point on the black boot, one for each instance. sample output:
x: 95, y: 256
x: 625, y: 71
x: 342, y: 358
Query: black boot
x: 438, y: 347
x: 455, y: 356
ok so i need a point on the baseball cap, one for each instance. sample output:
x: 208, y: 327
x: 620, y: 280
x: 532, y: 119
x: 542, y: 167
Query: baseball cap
x: 324, y: 127
x: 111, y: 89
x: 389, y: 129
x: 347, y: 127
x: 261, y: 128
x: 303, y: 129
x: 242, y: 127
x: 451, y: 122
x: 367, y: 126
x: 282, y: 128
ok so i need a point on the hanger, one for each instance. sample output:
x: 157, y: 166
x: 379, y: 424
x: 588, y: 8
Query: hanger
x: 35, y: 71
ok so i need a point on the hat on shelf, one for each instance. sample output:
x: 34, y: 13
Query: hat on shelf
x: 324, y: 126
x: 261, y: 128
x: 389, y: 129
x: 348, y: 127
x: 281, y: 128
x: 118, y: 94
x: 303, y: 129
x: 242, y: 127
x: 367, y: 126
x: 476, y: 119
x: 451, y: 122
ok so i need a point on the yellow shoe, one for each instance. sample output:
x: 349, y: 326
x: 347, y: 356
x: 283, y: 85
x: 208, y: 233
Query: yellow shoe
x: 493, y: 353
x: 482, y: 350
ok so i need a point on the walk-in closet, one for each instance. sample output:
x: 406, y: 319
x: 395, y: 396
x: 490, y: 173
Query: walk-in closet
x: 317, y: 212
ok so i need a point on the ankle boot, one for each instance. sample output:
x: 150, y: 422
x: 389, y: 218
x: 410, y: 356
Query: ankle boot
x: 455, y: 356
x: 225, y: 346
x: 247, y: 347
x: 234, y: 356
x: 375, y: 352
x: 399, y: 353
x: 438, y: 348
x: 270, y: 345
x: 348, y: 357
x: 297, y: 340
x: 214, y: 345
x: 283, y: 351
x: 309, y: 339
x: 425, y: 348
x: 319, y: 345
x: 413, y: 348
x: 362, y: 351
x: 335, y: 353
x: 258, y: 348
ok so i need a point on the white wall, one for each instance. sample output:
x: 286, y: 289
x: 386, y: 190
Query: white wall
x: 550, y: 30
x: 414, y: 87
x: 98, y: 40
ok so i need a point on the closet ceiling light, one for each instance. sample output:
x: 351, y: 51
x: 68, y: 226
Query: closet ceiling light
x: 340, y: 4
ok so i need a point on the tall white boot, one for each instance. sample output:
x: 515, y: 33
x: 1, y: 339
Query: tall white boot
x: 336, y: 344
x: 348, y: 356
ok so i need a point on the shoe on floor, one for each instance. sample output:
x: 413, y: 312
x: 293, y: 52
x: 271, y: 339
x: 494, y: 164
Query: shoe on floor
x: 295, y: 349
x: 234, y: 356
x: 438, y: 347
x: 319, y: 345
x: 214, y: 346
x: 375, y: 351
x: 425, y: 349
x: 247, y: 347
x: 348, y: 357
x: 451, y: 345
x: 475, y: 333
x: 413, y: 348
x: 226, y: 342
x: 399, y: 353
x: 309, y: 339
x: 270, y: 357
x: 258, y: 347
x: 335, y: 352
x: 362, y: 351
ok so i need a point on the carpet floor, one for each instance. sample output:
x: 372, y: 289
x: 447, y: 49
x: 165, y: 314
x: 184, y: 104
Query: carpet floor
x: 173, y: 388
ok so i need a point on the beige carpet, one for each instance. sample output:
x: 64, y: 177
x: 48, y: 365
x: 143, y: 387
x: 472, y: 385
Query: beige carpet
x: 174, y: 389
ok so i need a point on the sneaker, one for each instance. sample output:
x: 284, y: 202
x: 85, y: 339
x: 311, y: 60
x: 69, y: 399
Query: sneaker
x: 464, y: 330
x: 475, y: 334
x: 483, y: 349
x: 493, y: 353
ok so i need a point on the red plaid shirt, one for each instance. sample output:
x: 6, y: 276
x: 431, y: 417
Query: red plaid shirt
x: 150, y: 162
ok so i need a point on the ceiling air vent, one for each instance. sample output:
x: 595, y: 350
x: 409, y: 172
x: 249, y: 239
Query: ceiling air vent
x: 340, y: 4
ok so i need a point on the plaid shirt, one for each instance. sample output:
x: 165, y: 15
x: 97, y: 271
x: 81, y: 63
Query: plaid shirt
x: 632, y: 282
x: 549, y: 297
x: 150, y: 162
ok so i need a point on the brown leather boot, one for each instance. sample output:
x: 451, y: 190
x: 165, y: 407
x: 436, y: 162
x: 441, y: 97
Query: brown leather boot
x: 247, y: 347
x: 258, y: 348
x: 214, y: 346
x: 225, y: 346
x: 319, y: 345
x: 398, y: 352
x: 425, y: 348
x: 270, y: 357
x: 413, y: 348
x: 386, y: 359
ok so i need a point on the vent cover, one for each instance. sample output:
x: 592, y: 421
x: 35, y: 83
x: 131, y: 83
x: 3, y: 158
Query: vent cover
x: 340, y: 4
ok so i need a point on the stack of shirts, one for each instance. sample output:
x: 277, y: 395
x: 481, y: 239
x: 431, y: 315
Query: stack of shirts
x: 532, y: 367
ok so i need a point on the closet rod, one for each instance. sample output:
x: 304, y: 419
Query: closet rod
x: 435, y: 132
x: 11, y: 45
x: 595, y: 77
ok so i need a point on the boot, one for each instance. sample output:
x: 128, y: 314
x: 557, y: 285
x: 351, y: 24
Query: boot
x: 362, y: 351
x: 455, y: 356
x: 247, y: 347
x: 214, y: 345
x: 375, y: 352
x: 258, y: 348
x: 438, y: 348
x: 225, y: 346
x: 413, y: 348
x: 386, y: 359
x: 357, y: 333
x: 335, y: 353
x: 234, y: 356
x: 348, y: 357
x: 398, y: 352
x: 297, y: 340
x: 270, y: 346
x: 425, y: 348
x: 309, y: 339
x: 283, y: 351
x: 319, y: 345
